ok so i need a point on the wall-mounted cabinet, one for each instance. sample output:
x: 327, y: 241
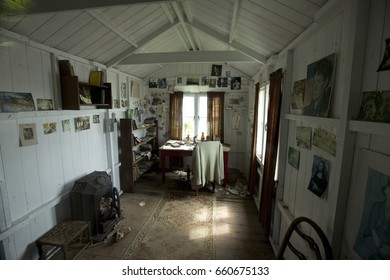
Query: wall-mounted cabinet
x: 76, y: 94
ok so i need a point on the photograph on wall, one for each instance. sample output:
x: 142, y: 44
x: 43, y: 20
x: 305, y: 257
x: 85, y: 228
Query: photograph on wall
x: 298, y: 94
x: 82, y: 123
x: 385, y: 64
x: 96, y: 118
x: 319, y: 176
x: 235, y: 83
x: 319, y: 86
x: 373, y: 238
x: 293, y: 157
x: 16, y: 102
x: 153, y: 82
x: 216, y: 70
x: 44, y: 104
x: 192, y: 81
x: 223, y: 82
x: 375, y: 106
x: 181, y: 81
x: 325, y: 140
x: 162, y: 83
x: 65, y: 125
x: 123, y: 90
x: 213, y: 83
x: 204, y: 81
x: 28, y: 134
x: 135, y: 89
x: 303, y: 137
x: 49, y: 128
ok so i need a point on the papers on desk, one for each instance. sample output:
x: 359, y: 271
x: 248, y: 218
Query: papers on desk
x: 174, y: 143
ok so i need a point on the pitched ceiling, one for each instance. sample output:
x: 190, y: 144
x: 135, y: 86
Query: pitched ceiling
x: 139, y: 37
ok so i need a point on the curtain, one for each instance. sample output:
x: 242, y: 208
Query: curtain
x: 253, y: 161
x: 271, y: 150
x: 215, y: 116
x: 176, y: 116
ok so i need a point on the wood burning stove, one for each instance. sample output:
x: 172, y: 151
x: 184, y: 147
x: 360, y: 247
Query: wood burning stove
x: 94, y: 199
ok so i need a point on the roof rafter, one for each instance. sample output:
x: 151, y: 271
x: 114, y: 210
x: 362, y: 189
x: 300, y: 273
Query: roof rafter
x: 183, y: 24
x: 234, y: 20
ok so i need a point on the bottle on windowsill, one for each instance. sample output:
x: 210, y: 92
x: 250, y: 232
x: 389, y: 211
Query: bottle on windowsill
x: 202, y: 137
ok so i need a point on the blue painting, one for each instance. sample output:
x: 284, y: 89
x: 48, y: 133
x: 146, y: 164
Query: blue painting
x: 373, y: 239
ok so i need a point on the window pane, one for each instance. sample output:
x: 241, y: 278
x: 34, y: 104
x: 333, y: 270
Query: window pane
x: 202, y: 112
x: 188, y: 116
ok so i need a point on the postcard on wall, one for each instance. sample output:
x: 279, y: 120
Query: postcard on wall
x: 44, y: 104
x: 293, y: 157
x: 303, y: 136
x: 49, y: 128
x: 65, y: 125
x: 375, y: 106
x: 325, y: 140
x: 298, y: 94
x: 96, y: 118
x: 28, y: 134
x: 16, y: 101
x: 82, y: 123
x: 319, y: 176
x: 319, y: 87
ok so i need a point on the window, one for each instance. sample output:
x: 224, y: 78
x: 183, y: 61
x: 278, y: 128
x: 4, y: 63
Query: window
x: 194, y: 115
x: 262, y: 122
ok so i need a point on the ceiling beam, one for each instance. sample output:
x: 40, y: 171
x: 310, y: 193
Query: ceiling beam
x: 234, y: 20
x: 188, y: 13
x: 177, y: 10
x: 8, y: 8
x: 186, y: 57
x: 225, y: 39
x: 141, y: 43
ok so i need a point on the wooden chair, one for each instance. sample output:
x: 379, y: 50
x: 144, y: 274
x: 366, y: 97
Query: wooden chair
x: 312, y: 244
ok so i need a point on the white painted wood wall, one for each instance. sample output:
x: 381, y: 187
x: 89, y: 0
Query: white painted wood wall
x: 35, y: 180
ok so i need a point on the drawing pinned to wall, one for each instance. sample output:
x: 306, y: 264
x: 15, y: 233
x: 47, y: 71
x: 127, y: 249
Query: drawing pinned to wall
x: 49, y: 128
x: 303, y: 137
x: 298, y: 94
x: 96, y: 118
x: 162, y: 83
x: 319, y: 176
x: 82, y: 123
x: 135, y: 89
x: 375, y: 106
x: 319, y: 86
x: 236, y: 119
x: 293, y: 157
x: 373, y: 239
x: 16, y: 101
x: 325, y: 140
x: 123, y: 91
x: 213, y: 83
x: 28, y: 134
x: 44, y: 104
x: 65, y: 125
x: 216, y: 70
x: 235, y: 83
x: 385, y: 64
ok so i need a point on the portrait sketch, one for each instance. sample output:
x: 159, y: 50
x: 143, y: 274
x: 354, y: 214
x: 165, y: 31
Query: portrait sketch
x: 298, y: 94
x: 373, y: 238
x: 216, y: 70
x: 235, y: 83
x: 319, y: 86
x: 319, y: 176
x: 385, y: 64
x: 28, y: 134
x: 123, y: 91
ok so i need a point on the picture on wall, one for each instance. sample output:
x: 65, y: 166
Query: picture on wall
x: 123, y: 90
x: 153, y: 82
x: 28, y: 134
x: 44, y: 104
x: 375, y: 106
x: 373, y: 239
x: 235, y: 83
x: 319, y: 86
x: 216, y: 70
x: 82, y: 123
x: 162, y: 83
x: 298, y: 94
x: 96, y: 119
x: 223, y: 82
x: 293, y: 157
x: 49, y: 128
x: 213, y: 83
x: 303, y: 137
x: 135, y: 89
x: 385, y: 64
x: 65, y: 125
x: 16, y: 101
x: 204, y: 81
x: 319, y: 176
x: 325, y: 141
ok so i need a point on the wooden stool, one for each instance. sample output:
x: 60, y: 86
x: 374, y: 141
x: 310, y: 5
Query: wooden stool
x: 63, y: 235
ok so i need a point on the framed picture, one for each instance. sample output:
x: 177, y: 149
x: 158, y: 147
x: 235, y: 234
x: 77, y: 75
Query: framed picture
x: 385, y: 64
x: 319, y: 176
x: 123, y: 90
x: 319, y: 87
x: 213, y: 83
x: 193, y: 81
x: 293, y: 157
x: 162, y: 83
x: 153, y: 82
x: 204, y: 81
x: 16, y: 101
x: 223, y: 82
x: 235, y: 83
x: 82, y: 123
x: 372, y: 191
x: 28, y: 134
x: 375, y: 106
x: 216, y: 70
x: 44, y: 104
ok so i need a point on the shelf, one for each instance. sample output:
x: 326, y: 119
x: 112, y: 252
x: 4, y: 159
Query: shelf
x: 382, y: 129
x: 331, y: 122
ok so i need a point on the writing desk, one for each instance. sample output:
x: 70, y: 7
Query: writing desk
x: 185, y: 150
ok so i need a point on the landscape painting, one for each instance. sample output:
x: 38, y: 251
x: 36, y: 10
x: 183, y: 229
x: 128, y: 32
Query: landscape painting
x: 16, y: 101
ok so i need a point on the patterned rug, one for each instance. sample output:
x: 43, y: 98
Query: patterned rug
x: 181, y: 227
